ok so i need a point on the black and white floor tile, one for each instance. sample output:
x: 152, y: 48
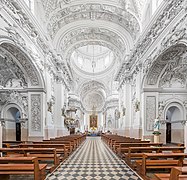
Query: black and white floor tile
x: 93, y: 161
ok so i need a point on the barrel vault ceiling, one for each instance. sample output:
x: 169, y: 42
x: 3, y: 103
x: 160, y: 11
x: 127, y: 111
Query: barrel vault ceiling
x: 93, y: 37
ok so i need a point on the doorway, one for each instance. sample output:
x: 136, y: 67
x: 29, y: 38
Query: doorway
x: 18, y: 131
x: 13, y: 124
x: 174, y: 115
x: 168, y: 132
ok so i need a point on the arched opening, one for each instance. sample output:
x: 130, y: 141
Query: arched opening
x: 174, y: 129
x: 13, y: 124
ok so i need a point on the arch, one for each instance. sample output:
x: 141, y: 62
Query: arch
x: 175, y: 107
x: 90, y: 31
x: 7, y: 106
x: 11, y: 115
x: 96, y: 11
x: 23, y: 62
x: 93, y: 93
x: 174, y: 115
x: 170, y: 59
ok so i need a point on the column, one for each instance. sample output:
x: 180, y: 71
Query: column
x: 59, y: 91
x: 49, y: 124
x: 128, y: 106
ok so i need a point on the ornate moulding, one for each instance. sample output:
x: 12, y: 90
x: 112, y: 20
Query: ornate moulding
x: 169, y: 61
x: 93, y: 93
x: 25, y: 62
x: 150, y: 112
x: 171, y: 10
x: 93, y: 11
x: 36, y: 123
x: 11, y: 75
x: 112, y: 103
x: 91, y: 34
x: 12, y: 96
x: 10, y: 50
x: 95, y: 99
x: 26, y: 23
x: 85, y: 43
x: 91, y: 86
x: 134, y: 6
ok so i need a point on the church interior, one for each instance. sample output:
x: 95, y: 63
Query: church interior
x: 98, y: 87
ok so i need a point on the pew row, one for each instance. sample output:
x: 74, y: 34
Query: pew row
x: 43, y: 154
x: 22, y: 166
x: 174, y: 174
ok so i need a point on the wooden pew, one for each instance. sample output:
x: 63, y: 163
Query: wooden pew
x: 137, y: 152
x: 43, y: 154
x: 182, y: 177
x: 117, y: 144
x: 60, y: 148
x: 73, y: 141
x: 68, y: 144
x: 76, y: 139
x: 159, y: 161
x: 22, y: 166
x: 123, y: 147
x: 174, y: 174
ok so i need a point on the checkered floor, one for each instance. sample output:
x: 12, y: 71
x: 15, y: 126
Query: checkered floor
x: 93, y: 160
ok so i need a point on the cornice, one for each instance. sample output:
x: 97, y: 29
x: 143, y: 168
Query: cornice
x: 170, y: 10
x: 93, y: 11
x: 27, y: 23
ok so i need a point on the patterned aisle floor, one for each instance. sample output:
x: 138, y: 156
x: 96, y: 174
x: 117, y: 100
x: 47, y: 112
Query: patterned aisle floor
x: 93, y: 160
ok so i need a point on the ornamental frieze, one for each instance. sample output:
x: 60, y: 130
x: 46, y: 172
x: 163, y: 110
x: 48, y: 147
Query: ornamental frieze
x: 11, y: 75
x: 93, y: 12
x: 168, y: 14
x: 36, y: 112
x: 150, y: 112
x: 168, y: 60
x: 93, y: 34
x: 24, y: 61
x: 105, y: 44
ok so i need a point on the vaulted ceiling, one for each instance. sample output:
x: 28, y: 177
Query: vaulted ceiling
x: 93, y: 37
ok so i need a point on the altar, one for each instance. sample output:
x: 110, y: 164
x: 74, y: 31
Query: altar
x: 93, y: 121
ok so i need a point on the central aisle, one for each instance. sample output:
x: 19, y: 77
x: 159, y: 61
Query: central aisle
x: 93, y: 160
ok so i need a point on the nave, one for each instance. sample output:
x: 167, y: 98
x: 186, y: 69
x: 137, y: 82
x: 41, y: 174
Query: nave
x: 93, y: 160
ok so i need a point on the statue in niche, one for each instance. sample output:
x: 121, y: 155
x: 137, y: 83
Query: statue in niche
x: 49, y: 106
x: 160, y: 107
x: 156, y: 124
x: 137, y: 106
x: 64, y: 111
x: 123, y: 111
x: 117, y: 114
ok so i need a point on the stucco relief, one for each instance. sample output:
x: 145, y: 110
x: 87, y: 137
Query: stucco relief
x: 100, y: 34
x: 11, y: 75
x: 93, y: 99
x: 150, y: 112
x: 24, y: 61
x: 163, y: 20
x: 12, y: 96
x: 161, y: 105
x: 36, y: 112
x: 17, y: 13
x: 117, y: 52
x: 170, y: 62
x: 90, y: 86
x: 93, y: 12
x: 174, y: 75
x: 177, y: 33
